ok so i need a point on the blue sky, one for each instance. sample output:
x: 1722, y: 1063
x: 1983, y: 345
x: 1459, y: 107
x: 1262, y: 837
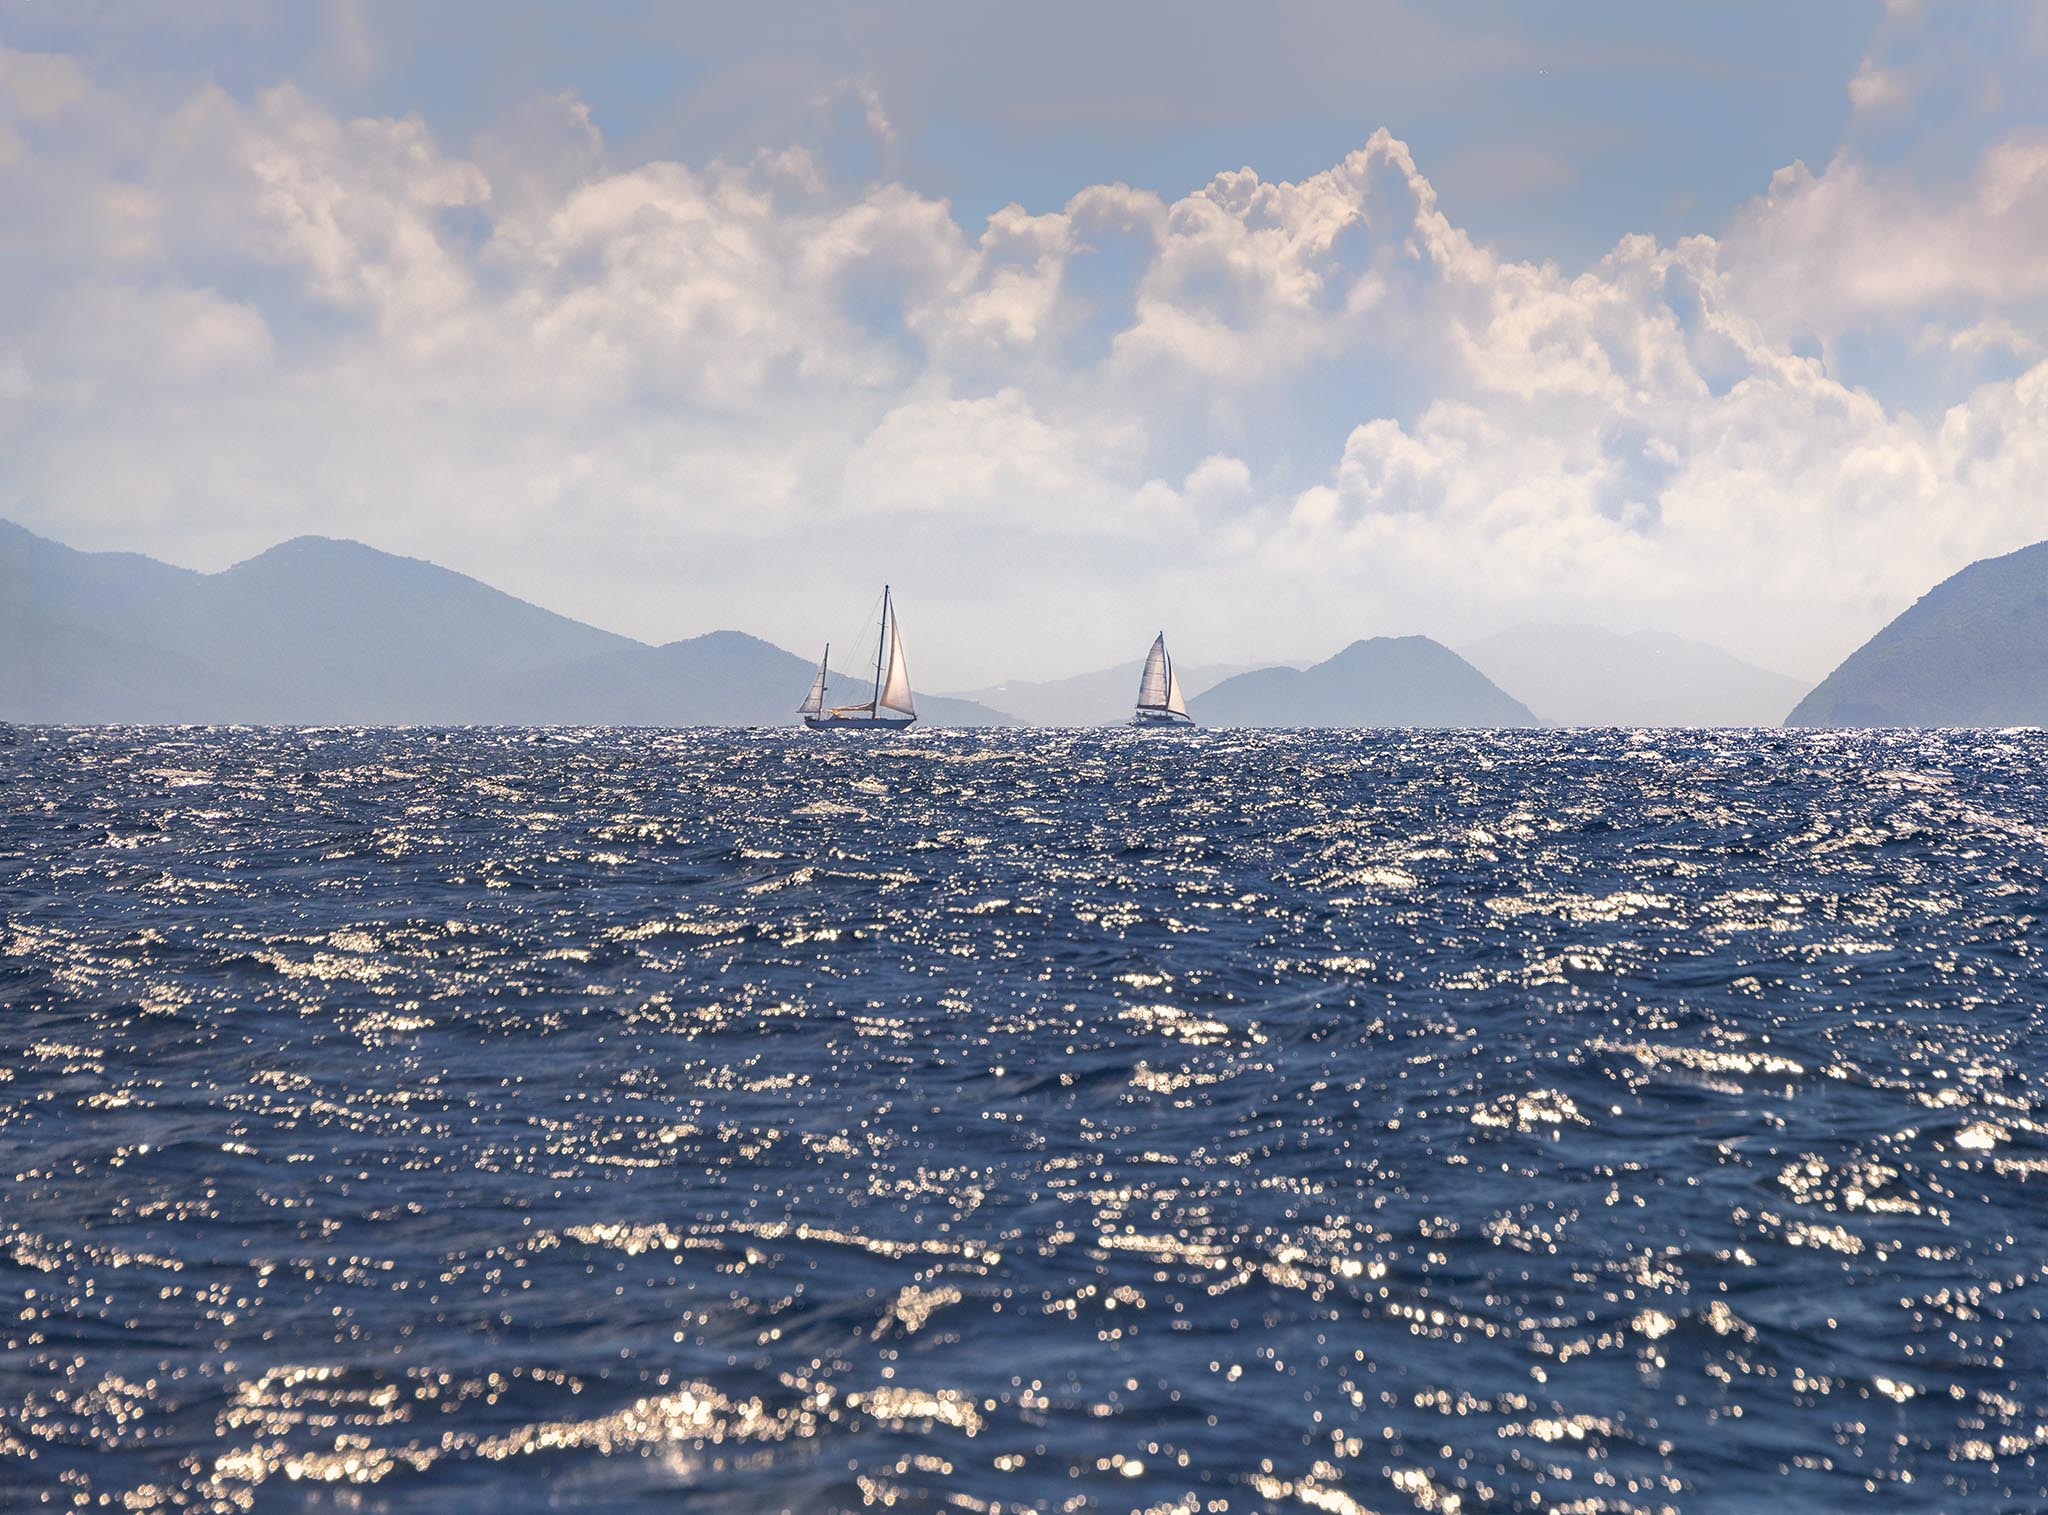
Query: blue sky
x: 1288, y: 323
x: 1558, y: 128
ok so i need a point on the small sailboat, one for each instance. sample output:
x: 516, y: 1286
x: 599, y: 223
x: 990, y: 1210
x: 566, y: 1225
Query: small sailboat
x: 891, y: 709
x: 1159, y: 697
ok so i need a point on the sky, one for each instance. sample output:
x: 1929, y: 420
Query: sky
x: 1275, y: 326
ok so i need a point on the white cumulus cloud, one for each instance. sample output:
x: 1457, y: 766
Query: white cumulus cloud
x: 670, y: 396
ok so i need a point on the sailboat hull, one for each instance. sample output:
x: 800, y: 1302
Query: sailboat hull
x: 1160, y: 720
x: 857, y: 722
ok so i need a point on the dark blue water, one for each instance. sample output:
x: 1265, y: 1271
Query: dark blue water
x: 528, y: 1121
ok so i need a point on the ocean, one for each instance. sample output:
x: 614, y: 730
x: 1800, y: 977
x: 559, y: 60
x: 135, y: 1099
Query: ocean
x: 438, y: 1120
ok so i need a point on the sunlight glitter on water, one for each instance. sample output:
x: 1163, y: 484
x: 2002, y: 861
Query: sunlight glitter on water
x: 411, y: 1120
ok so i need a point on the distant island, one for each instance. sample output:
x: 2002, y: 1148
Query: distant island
x: 1383, y: 681
x: 1972, y: 651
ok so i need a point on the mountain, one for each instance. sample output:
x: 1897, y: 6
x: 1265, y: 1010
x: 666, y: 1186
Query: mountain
x: 311, y: 630
x: 1972, y: 651
x: 1385, y: 681
x: 317, y: 630
x: 76, y: 637
x: 1587, y: 676
x: 724, y: 678
x: 1101, y: 698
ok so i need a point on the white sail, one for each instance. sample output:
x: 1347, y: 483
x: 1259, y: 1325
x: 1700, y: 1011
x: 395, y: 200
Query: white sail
x: 1175, y: 705
x: 814, y: 702
x: 1157, y: 683
x: 895, y: 693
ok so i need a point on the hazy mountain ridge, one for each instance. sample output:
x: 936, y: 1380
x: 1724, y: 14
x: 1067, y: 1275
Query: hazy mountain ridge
x: 1381, y: 681
x: 1972, y: 651
x: 1577, y: 675
x: 317, y: 630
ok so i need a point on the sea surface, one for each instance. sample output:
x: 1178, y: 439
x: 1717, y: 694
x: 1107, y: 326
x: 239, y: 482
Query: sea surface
x: 433, y: 1121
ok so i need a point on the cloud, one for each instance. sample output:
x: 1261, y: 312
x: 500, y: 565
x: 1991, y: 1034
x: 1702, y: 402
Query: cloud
x: 993, y: 461
x: 1876, y: 89
x: 863, y: 94
x: 1993, y: 334
x: 39, y: 87
x: 669, y: 396
x: 1937, y: 83
x: 1828, y: 252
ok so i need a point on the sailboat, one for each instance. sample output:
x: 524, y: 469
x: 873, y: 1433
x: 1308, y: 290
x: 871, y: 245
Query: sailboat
x: 891, y: 708
x: 1159, y: 697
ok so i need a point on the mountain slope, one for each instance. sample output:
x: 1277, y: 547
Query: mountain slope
x: 80, y: 637
x: 1972, y: 651
x: 386, y: 638
x: 316, y: 630
x: 1588, y: 676
x: 1384, y: 681
x: 310, y: 630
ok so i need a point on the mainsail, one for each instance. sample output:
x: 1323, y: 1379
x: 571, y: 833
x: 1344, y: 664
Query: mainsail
x: 814, y: 703
x: 1159, y: 687
x: 895, y: 690
x: 1158, y: 678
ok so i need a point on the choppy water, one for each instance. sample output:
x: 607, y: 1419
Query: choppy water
x: 432, y: 1121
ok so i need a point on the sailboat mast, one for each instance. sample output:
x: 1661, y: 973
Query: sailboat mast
x: 881, y: 649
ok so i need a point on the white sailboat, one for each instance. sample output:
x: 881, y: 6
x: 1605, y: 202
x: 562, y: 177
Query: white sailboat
x: 1159, y: 697
x: 891, y: 708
